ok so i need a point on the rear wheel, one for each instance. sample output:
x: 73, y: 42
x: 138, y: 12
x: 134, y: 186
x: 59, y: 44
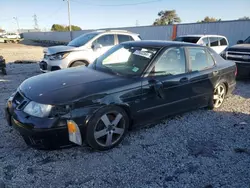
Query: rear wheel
x: 79, y: 63
x: 107, y: 128
x: 218, y: 96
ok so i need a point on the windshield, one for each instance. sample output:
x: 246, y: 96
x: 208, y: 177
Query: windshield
x: 247, y: 41
x: 126, y: 59
x: 82, y: 40
x: 187, y: 39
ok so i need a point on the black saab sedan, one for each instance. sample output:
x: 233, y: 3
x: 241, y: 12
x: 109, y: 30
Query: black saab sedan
x: 134, y: 83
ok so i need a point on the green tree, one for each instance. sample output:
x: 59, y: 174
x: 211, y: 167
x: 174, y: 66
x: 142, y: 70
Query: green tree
x: 58, y: 27
x: 73, y: 28
x: 209, y: 19
x: 244, y: 18
x: 167, y: 17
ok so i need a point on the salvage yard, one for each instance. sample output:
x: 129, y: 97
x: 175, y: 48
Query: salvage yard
x: 202, y: 148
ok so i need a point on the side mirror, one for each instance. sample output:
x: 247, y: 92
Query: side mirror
x: 96, y: 46
x: 240, y: 42
x: 158, y: 88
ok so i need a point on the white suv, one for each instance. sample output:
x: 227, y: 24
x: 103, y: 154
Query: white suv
x: 84, y: 49
x: 217, y: 42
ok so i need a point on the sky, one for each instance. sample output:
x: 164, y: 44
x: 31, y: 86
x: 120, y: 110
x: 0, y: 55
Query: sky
x: 95, y: 14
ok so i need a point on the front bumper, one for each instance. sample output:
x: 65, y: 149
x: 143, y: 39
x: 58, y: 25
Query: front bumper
x: 47, y: 65
x: 55, y: 137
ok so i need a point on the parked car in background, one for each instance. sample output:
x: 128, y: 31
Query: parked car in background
x: 11, y: 36
x: 84, y: 49
x: 217, y: 42
x: 134, y: 83
x: 240, y: 54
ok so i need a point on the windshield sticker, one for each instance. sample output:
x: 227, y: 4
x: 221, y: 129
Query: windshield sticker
x: 135, y: 69
x: 143, y: 54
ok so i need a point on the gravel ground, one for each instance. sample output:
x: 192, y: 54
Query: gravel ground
x: 201, y: 148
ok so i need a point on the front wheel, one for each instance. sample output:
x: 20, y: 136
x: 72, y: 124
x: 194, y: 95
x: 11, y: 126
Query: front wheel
x: 79, y: 63
x: 218, y: 96
x: 107, y: 128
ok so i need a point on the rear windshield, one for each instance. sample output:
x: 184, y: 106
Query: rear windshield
x: 187, y: 39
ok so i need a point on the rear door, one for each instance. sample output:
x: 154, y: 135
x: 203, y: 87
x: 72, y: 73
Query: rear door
x: 203, y: 74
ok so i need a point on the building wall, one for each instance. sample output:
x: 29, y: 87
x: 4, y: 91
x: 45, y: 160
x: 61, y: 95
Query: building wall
x: 233, y: 30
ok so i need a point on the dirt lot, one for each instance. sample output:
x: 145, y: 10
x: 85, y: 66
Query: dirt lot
x: 197, y: 149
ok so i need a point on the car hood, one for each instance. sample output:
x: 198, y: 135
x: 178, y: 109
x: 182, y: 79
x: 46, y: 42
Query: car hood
x: 69, y: 85
x: 240, y: 47
x: 58, y: 49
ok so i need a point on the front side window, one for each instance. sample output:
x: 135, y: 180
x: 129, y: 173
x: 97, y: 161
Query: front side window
x: 214, y: 41
x: 204, y: 41
x: 124, y: 38
x: 200, y: 59
x: 105, y: 40
x: 126, y: 59
x: 171, y: 62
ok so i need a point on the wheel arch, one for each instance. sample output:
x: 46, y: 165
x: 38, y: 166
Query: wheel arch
x: 82, y: 60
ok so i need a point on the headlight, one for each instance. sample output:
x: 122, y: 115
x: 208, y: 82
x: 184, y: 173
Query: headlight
x: 58, y: 56
x: 37, y: 110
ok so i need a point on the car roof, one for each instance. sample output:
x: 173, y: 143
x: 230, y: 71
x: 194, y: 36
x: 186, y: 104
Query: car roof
x: 202, y: 36
x: 158, y: 43
x: 115, y: 32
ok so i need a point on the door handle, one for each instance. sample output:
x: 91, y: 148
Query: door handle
x: 183, y: 80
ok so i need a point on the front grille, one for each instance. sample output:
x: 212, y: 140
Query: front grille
x: 238, y: 56
x: 43, y: 65
x: 19, y: 101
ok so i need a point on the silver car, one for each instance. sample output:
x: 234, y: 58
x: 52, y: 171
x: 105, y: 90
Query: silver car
x: 84, y: 49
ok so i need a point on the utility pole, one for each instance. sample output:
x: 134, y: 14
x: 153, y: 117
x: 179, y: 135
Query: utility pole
x: 18, y: 28
x: 68, y: 1
x: 35, y: 22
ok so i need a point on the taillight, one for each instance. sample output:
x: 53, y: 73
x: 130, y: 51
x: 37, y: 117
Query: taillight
x: 236, y: 71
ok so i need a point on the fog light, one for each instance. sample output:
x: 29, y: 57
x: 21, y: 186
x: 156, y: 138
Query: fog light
x: 74, y: 132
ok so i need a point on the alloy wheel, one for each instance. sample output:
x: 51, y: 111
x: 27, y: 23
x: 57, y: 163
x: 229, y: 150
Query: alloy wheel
x: 109, y: 129
x: 219, y: 95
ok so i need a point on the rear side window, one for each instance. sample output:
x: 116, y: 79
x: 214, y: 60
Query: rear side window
x: 124, y: 38
x: 200, y: 59
x: 223, y: 41
x: 214, y: 41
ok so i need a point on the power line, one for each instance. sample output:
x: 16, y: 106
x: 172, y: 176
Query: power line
x: 117, y: 5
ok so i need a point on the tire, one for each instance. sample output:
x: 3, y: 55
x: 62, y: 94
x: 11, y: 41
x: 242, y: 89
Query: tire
x: 218, y: 97
x: 107, y: 128
x: 79, y: 63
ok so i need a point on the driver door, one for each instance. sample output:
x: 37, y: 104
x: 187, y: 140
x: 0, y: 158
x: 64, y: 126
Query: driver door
x: 166, y: 90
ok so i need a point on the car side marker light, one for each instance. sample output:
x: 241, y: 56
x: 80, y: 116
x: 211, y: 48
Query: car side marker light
x: 74, y: 132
